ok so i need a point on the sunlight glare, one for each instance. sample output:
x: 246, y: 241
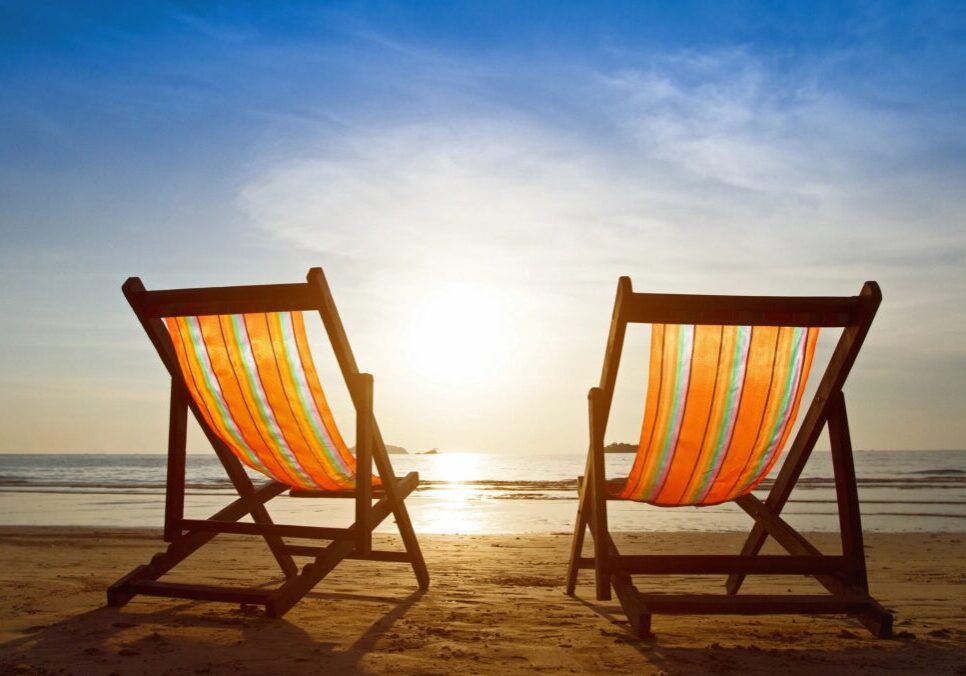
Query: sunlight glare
x: 459, y: 334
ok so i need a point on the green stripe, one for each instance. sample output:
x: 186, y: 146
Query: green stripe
x: 241, y: 338
x: 778, y: 425
x: 739, y: 363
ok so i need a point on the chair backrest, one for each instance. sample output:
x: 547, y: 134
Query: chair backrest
x: 253, y: 378
x: 242, y: 355
x: 726, y: 379
x: 721, y: 402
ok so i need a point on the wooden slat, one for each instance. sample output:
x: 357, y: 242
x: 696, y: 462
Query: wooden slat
x: 722, y: 564
x: 373, y: 555
x: 598, y: 493
x: 377, y: 492
x: 666, y: 308
x: 177, y: 447
x: 577, y: 543
x: 225, y: 300
x: 200, y: 592
x: 752, y: 604
x: 273, y: 529
x: 364, y: 384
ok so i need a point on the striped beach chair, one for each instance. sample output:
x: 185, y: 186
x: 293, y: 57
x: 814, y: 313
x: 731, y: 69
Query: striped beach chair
x: 239, y: 361
x: 725, y: 383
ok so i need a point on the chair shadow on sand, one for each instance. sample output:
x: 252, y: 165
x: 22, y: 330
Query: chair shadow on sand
x: 800, y: 655
x: 200, y: 642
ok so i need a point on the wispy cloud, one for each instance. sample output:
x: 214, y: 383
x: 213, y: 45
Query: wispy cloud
x: 714, y: 164
x: 713, y: 171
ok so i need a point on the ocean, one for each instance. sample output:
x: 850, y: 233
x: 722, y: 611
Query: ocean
x: 900, y: 491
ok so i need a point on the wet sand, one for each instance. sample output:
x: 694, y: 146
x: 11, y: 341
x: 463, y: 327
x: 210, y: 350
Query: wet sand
x: 496, y: 604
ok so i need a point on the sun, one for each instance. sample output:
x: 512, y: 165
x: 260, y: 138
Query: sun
x: 459, y: 334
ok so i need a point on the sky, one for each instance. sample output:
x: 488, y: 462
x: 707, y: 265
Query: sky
x: 473, y: 178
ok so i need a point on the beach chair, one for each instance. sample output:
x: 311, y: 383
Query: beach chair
x: 727, y: 374
x: 239, y: 360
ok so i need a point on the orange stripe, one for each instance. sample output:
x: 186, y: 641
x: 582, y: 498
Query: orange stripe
x: 227, y: 362
x: 312, y: 460
x: 754, y: 396
x: 650, y: 458
x: 265, y: 350
x: 193, y: 374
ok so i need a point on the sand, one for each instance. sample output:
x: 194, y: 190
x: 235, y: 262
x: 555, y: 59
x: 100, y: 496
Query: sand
x: 496, y: 605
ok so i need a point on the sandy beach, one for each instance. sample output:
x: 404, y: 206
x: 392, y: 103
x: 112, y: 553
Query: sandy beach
x: 496, y: 604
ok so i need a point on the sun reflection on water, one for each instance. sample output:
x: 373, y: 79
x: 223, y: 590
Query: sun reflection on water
x: 457, y: 503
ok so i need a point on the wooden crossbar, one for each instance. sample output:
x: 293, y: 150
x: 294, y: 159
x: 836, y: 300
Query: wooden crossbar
x: 751, y: 604
x: 373, y: 555
x: 280, y: 530
x: 376, y: 492
x: 720, y: 564
x: 666, y: 308
x: 227, y: 300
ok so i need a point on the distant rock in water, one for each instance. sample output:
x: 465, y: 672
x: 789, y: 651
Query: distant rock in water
x: 620, y: 448
x: 393, y: 450
x: 432, y: 451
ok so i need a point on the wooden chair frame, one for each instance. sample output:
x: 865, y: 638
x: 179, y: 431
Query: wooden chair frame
x: 186, y: 536
x: 844, y: 576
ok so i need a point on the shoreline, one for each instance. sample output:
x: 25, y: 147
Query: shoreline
x: 496, y: 604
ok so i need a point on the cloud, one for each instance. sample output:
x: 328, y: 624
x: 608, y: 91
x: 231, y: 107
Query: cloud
x: 471, y: 195
x: 691, y: 172
x: 705, y: 162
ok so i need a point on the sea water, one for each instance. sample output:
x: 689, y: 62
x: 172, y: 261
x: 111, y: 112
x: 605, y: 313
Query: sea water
x: 900, y: 491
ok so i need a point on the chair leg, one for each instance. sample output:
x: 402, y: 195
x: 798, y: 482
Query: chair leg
x: 596, y: 489
x: 846, y: 491
x: 577, y: 544
x: 638, y: 615
x: 601, y: 555
x: 411, y: 543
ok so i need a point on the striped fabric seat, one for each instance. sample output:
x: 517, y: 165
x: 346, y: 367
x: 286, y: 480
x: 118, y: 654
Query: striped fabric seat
x: 721, y: 403
x: 253, y: 379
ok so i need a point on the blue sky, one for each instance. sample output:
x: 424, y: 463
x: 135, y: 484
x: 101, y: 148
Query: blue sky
x: 524, y: 155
